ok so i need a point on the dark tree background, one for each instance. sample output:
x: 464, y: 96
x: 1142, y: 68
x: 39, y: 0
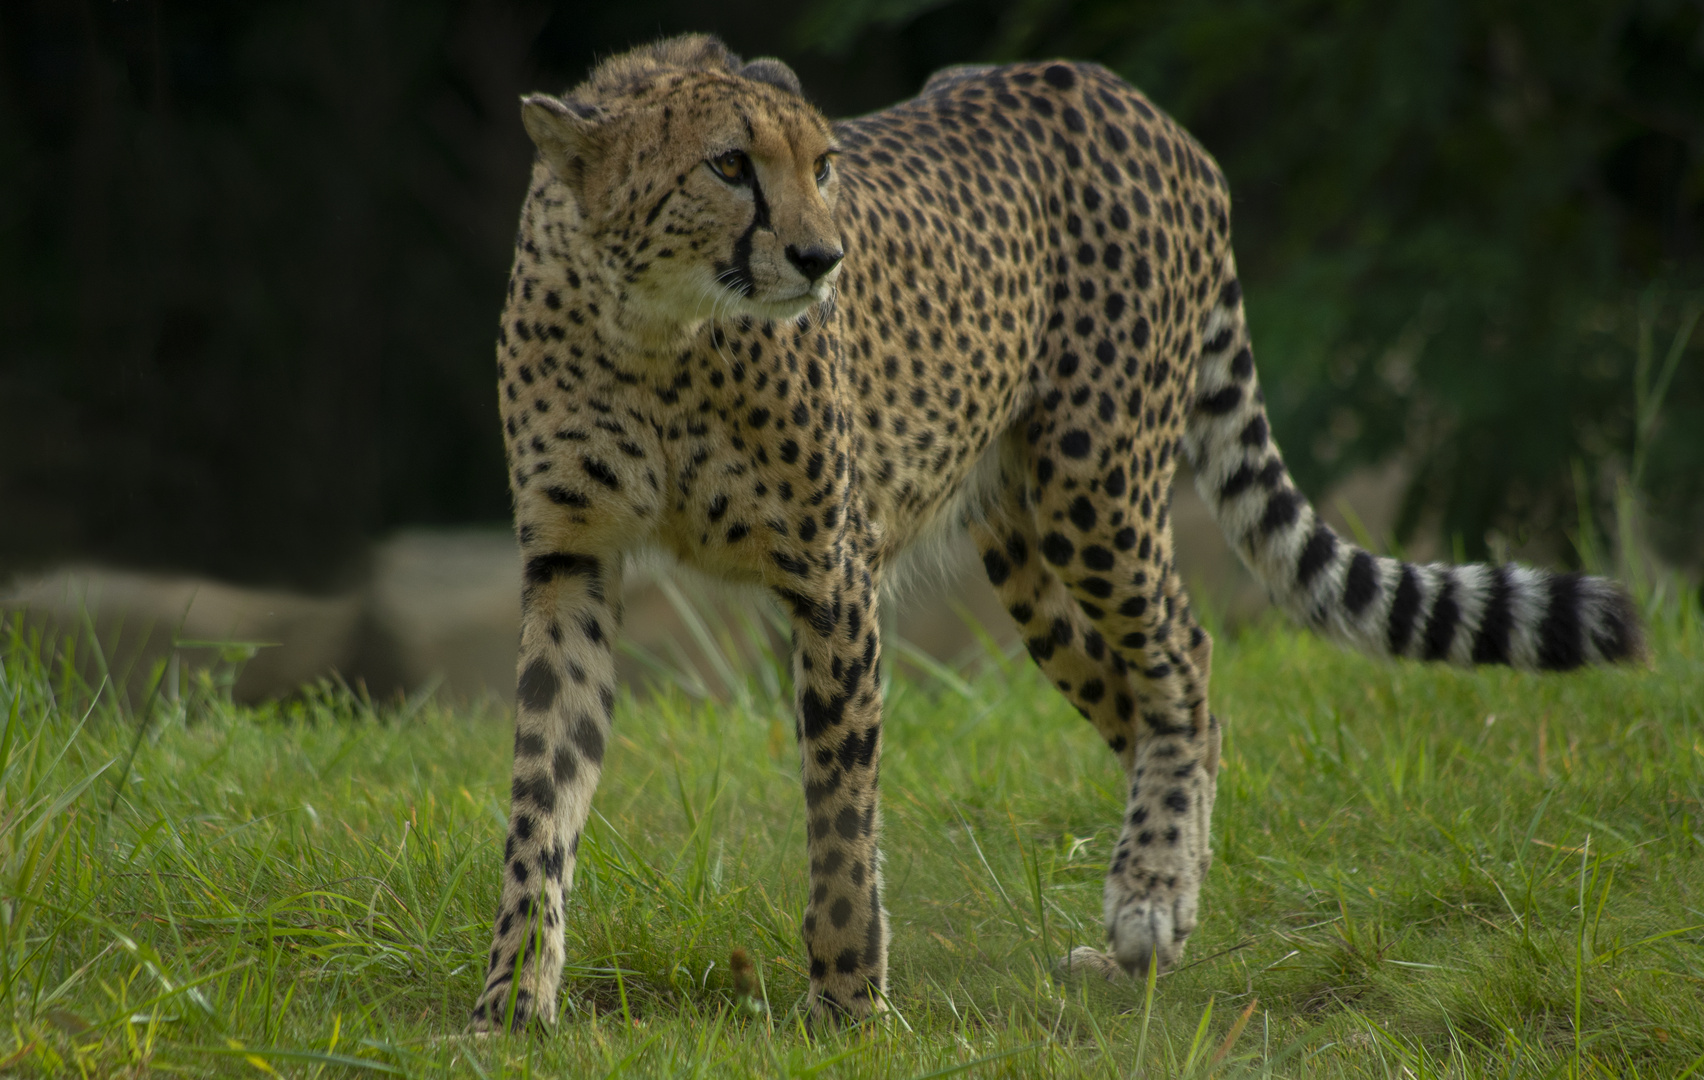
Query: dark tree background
x: 251, y: 254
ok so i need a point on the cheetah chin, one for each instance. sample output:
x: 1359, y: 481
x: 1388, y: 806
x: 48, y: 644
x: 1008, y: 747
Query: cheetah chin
x: 733, y: 307
x: 787, y: 352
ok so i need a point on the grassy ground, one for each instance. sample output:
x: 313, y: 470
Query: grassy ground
x: 1420, y: 872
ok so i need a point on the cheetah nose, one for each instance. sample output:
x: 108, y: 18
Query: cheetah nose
x: 814, y: 262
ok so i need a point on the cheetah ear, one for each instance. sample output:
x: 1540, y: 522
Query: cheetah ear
x: 565, y: 132
x: 774, y: 72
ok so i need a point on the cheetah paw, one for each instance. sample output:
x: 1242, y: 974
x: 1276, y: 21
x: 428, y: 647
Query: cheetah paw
x: 1151, y: 926
x: 494, y: 1008
x: 825, y: 1011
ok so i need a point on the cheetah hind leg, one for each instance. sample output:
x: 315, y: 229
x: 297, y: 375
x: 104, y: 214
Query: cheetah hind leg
x: 1128, y: 655
x: 1111, y: 686
x: 1151, y: 901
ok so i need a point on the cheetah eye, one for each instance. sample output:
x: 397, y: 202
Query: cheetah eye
x: 733, y: 166
x: 822, y: 169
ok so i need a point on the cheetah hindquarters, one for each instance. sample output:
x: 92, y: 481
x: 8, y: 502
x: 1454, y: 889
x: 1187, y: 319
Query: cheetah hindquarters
x: 570, y: 611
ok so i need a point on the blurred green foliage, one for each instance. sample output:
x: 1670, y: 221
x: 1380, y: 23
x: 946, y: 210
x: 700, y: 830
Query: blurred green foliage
x: 1456, y: 222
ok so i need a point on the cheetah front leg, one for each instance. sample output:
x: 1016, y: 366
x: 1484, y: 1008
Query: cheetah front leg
x: 570, y: 610
x: 836, y: 652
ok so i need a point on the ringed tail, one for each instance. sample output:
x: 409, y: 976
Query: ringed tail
x: 1475, y: 613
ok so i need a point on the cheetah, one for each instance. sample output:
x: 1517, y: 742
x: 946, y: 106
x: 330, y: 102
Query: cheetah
x: 785, y: 350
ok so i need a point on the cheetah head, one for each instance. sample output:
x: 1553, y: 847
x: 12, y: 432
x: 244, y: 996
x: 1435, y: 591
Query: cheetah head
x: 699, y: 187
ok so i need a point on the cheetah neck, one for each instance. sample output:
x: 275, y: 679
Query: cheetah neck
x: 620, y: 319
x: 628, y: 327
x: 585, y: 297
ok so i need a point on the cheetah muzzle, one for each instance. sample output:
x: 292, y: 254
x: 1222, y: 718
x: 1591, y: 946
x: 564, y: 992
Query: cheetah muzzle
x: 784, y: 350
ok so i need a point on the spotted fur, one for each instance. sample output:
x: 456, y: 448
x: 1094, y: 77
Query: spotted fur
x: 787, y: 351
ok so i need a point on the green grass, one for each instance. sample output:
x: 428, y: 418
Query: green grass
x: 1420, y: 873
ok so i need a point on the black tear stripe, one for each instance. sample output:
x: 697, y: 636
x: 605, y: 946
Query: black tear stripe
x: 737, y: 271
